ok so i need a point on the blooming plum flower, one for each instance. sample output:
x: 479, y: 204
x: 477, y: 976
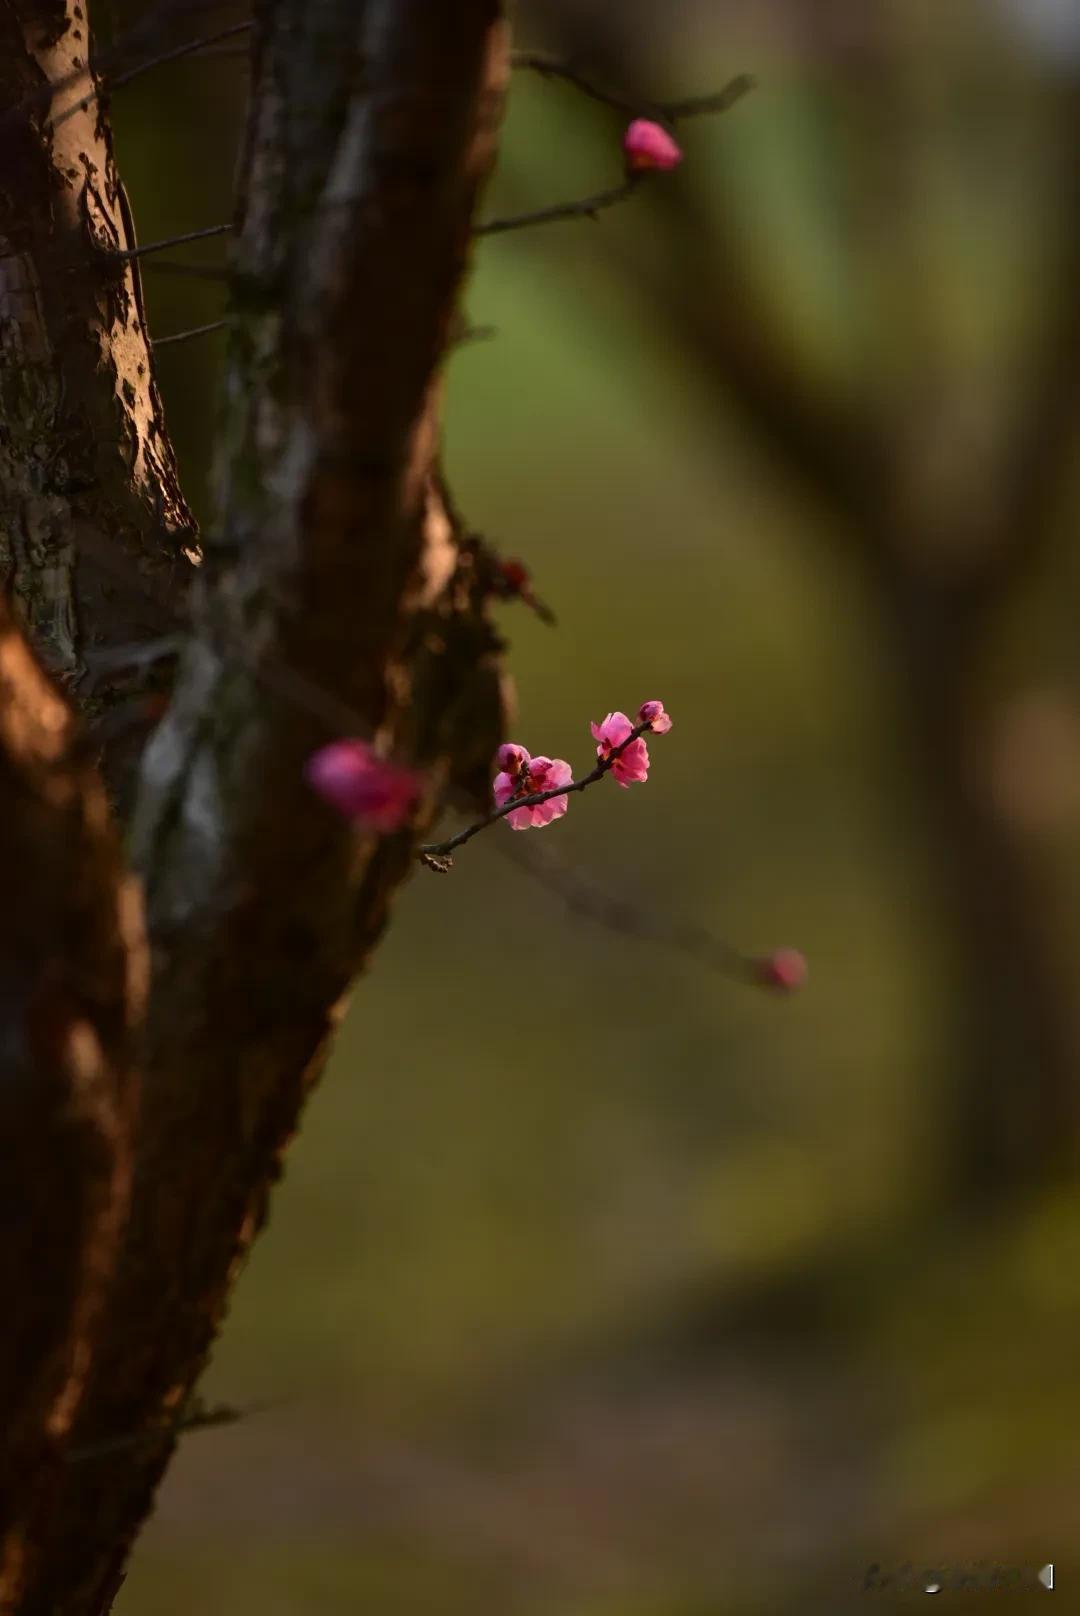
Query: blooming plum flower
x: 653, y: 714
x: 362, y: 786
x: 534, y: 774
x: 647, y: 145
x: 632, y: 764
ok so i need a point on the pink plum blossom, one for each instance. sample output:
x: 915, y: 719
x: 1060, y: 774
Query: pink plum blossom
x: 653, y: 714
x: 631, y: 765
x: 647, y: 145
x: 540, y: 774
x: 785, y: 970
x: 362, y: 786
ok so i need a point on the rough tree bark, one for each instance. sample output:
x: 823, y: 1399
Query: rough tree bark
x: 86, y: 468
x: 337, y: 589
x: 72, y: 980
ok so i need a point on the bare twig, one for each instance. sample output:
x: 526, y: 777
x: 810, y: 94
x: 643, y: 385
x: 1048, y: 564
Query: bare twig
x: 195, y: 1416
x: 696, y: 106
x: 149, y: 29
x: 188, y: 49
x: 173, y: 241
x: 195, y: 331
x: 584, y: 895
x: 474, y: 333
x: 552, y: 67
x: 587, y: 207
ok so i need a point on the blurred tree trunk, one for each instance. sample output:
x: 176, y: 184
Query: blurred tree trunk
x: 335, y: 588
x: 1009, y: 1120
x: 72, y: 982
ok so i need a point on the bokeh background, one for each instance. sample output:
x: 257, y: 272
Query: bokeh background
x: 599, y: 1284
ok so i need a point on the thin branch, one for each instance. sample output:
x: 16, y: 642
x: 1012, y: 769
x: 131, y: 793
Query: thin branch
x: 195, y: 331
x: 474, y: 333
x: 439, y: 850
x: 148, y: 29
x: 587, y: 207
x: 696, y: 106
x: 175, y: 55
x: 199, y: 1415
x: 173, y: 241
x: 584, y: 895
x: 195, y: 1416
x: 126, y: 253
x: 553, y: 67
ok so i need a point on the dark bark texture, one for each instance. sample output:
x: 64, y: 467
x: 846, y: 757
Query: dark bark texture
x: 87, y: 474
x: 336, y: 598
x: 72, y: 980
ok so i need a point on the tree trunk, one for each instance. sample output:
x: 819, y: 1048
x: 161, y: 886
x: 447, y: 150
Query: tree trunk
x: 87, y: 474
x: 339, y: 597
x: 72, y: 981
x: 1010, y: 1123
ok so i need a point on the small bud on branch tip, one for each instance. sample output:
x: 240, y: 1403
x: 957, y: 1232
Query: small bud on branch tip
x: 648, y: 146
x: 785, y: 970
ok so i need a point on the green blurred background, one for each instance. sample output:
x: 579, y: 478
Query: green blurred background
x: 597, y: 1283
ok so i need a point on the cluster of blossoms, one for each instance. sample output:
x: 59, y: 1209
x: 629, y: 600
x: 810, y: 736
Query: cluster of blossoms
x: 620, y: 748
x: 383, y: 796
x: 351, y: 776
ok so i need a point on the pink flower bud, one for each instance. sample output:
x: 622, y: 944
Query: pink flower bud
x: 647, y: 146
x: 653, y: 714
x: 785, y: 970
x: 348, y: 775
